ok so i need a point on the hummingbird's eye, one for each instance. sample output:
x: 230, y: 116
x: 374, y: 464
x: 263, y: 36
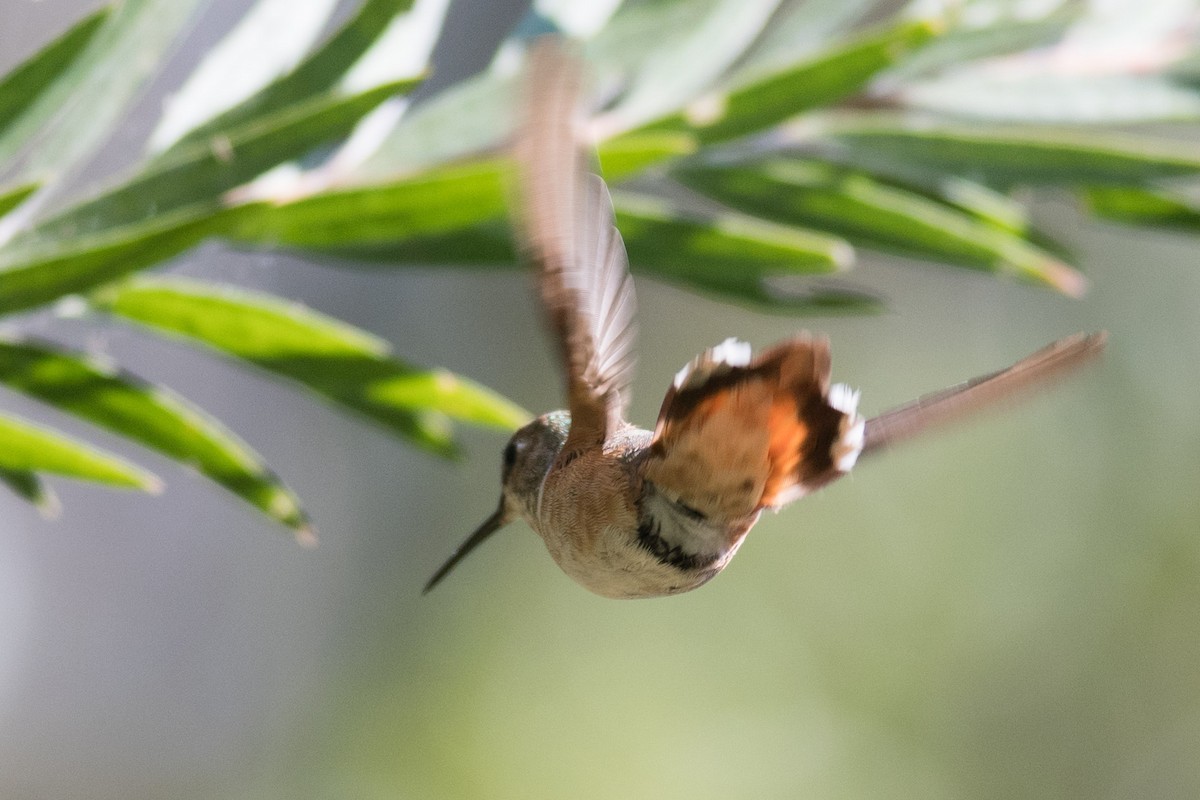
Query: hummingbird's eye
x: 510, y: 456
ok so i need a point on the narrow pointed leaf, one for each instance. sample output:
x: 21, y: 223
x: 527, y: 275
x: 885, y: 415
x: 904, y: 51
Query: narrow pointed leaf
x: 13, y: 197
x: 200, y: 173
x: 432, y: 204
x: 47, y: 273
x: 799, y: 28
x: 318, y: 73
x: 25, y: 447
x: 30, y: 487
x: 150, y: 415
x: 344, y: 364
x: 875, y: 214
x: 818, y: 81
x: 268, y: 41
x: 1011, y: 155
x: 470, y: 118
x: 1144, y: 207
x: 1000, y: 37
x: 21, y: 88
x: 79, y: 111
x: 1054, y: 99
x: 628, y: 155
x: 730, y: 254
x: 686, y: 59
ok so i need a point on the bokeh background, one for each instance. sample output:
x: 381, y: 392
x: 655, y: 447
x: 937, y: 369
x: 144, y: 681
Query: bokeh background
x: 1007, y: 609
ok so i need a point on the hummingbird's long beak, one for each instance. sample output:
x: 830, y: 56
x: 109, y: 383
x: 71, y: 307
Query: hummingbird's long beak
x: 495, y: 522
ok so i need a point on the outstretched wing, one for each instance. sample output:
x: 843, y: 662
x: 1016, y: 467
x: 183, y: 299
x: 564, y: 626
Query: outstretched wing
x: 939, y: 408
x: 565, y: 220
x: 738, y: 433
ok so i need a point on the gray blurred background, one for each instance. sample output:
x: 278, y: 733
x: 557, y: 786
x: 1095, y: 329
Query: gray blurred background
x: 1009, y: 609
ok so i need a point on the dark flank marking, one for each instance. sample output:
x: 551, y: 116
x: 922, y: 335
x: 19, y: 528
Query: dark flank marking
x: 694, y: 513
x: 824, y: 424
x: 650, y: 538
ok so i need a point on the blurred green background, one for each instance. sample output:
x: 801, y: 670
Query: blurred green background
x: 1008, y: 609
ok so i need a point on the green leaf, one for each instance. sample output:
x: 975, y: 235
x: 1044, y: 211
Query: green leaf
x: 998, y: 37
x: 981, y: 201
x: 80, y: 110
x: 11, y: 198
x: 25, y: 447
x: 21, y: 88
x: 467, y: 119
x: 267, y: 42
x: 1144, y: 207
x: 486, y: 244
x: 1011, y: 155
x: 798, y: 29
x: 730, y: 254
x: 30, y: 487
x: 875, y: 214
x: 45, y: 274
x: 199, y: 173
x: 687, y: 58
x: 431, y: 204
x: 628, y: 155
x: 342, y: 363
x: 818, y: 81
x: 317, y: 74
x: 152, y: 416
x: 1054, y: 99
x: 456, y: 216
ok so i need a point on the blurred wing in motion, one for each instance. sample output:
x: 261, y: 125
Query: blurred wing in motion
x: 939, y: 408
x: 566, y: 226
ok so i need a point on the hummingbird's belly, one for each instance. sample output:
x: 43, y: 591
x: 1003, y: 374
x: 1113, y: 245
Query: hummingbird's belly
x: 588, y: 518
x: 618, y: 566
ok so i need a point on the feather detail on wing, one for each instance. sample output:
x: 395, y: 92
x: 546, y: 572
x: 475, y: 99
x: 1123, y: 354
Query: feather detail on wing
x: 567, y: 231
x: 739, y: 433
x: 948, y: 405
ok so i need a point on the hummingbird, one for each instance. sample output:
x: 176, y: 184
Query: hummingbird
x: 631, y: 513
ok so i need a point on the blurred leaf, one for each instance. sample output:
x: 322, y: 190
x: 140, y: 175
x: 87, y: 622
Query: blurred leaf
x: 267, y: 42
x: 29, y: 486
x: 466, y: 119
x: 485, y: 244
x: 45, y: 274
x: 11, y: 198
x: 878, y: 215
x: 729, y: 254
x: 433, y: 203
x: 1051, y: 99
x: 199, y: 174
x: 21, y: 88
x: 984, y: 203
x: 798, y: 28
x: 340, y: 362
x: 1010, y: 155
x: 150, y: 415
x: 817, y: 81
x: 1144, y: 207
x: 629, y: 155
x: 79, y: 111
x: 961, y: 45
x: 25, y: 447
x: 686, y: 59
x: 981, y: 201
x: 317, y: 74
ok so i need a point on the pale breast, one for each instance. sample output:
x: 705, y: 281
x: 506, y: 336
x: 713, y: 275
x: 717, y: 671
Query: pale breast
x: 588, y: 518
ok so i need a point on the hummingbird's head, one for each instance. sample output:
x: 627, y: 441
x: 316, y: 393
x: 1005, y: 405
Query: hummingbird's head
x: 527, y: 458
